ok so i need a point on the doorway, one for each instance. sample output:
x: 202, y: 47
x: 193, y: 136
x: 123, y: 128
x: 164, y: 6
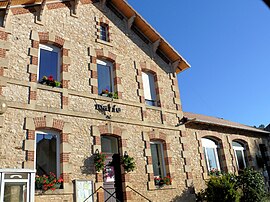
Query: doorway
x: 112, y: 180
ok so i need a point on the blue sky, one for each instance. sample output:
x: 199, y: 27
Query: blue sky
x: 227, y: 44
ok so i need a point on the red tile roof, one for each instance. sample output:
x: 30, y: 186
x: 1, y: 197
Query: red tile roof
x: 199, y: 118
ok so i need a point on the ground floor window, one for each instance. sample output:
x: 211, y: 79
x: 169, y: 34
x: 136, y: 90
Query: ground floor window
x: 239, y: 152
x: 158, y: 159
x: 210, y: 154
x: 47, y: 153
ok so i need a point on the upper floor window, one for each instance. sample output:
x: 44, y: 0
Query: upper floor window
x: 105, y: 76
x: 109, y: 144
x: 210, y: 154
x: 149, y: 88
x: 47, y: 153
x: 158, y: 162
x: 104, y: 32
x: 49, y: 62
x: 239, y: 152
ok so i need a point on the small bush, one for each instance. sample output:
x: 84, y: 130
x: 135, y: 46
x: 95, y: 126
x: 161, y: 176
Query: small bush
x: 252, y: 184
x: 222, y: 189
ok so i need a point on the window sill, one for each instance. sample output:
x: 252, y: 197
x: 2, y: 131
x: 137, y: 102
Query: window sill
x: 50, y: 192
x: 153, y: 107
x: 153, y: 187
x: 104, y: 42
x: 50, y: 88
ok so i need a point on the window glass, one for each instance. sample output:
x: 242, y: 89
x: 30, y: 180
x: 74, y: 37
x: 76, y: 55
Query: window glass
x: 47, y: 153
x: 104, y: 70
x: 158, y: 159
x: 239, y: 152
x: 104, y: 32
x: 15, y: 192
x: 109, y: 144
x: 149, y: 88
x: 49, y: 62
x: 210, y: 154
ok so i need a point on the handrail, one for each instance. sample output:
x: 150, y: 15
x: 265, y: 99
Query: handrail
x: 138, y: 193
x: 111, y: 195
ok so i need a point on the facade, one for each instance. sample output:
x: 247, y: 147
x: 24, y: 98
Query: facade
x: 110, y: 87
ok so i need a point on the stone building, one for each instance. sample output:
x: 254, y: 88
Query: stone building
x: 110, y: 86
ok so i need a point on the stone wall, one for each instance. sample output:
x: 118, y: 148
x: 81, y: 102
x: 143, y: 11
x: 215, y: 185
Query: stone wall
x: 224, y: 136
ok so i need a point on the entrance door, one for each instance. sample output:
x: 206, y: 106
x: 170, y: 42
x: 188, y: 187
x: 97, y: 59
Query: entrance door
x: 112, y: 172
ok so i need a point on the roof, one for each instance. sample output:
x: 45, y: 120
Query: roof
x: 199, y: 118
x: 178, y: 62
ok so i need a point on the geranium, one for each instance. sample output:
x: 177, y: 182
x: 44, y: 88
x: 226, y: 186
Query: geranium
x: 99, y: 161
x: 48, y: 182
x: 49, y: 81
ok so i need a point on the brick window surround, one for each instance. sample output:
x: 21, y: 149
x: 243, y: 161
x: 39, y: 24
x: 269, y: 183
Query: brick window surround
x: 247, y: 153
x: 63, y: 128
x: 161, y: 137
x: 64, y: 45
x: 106, y: 23
x: 108, y: 129
x: 223, y: 161
x: 111, y: 57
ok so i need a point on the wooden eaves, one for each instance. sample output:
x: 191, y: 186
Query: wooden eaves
x: 178, y: 63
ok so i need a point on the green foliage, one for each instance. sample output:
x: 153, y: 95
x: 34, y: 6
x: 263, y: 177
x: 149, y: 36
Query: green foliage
x: 252, y: 184
x: 99, y: 161
x: 128, y: 163
x: 247, y: 187
x: 222, y: 189
x: 48, y: 182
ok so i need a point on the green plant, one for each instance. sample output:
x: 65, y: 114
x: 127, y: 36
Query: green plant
x: 48, y: 182
x: 49, y: 81
x: 107, y: 93
x: 222, y: 189
x: 99, y: 161
x: 215, y: 172
x: 167, y: 180
x: 128, y: 163
x: 252, y: 184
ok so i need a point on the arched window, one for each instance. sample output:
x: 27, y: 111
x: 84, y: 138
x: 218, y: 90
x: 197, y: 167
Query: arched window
x: 158, y: 162
x: 210, y: 154
x: 239, y: 152
x: 149, y: 88
x: 105, y: 76
x: 49, y: 62
x: 109, y: 144
x: 47, y: 152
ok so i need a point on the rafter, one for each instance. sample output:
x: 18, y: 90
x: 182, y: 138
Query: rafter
x: 131, y: 21
x: 76, y: 2
x: 103, y: 3
x: 175, y: 64
x: 42, y: 6
x: 155, y: 45
x: 6, y: 12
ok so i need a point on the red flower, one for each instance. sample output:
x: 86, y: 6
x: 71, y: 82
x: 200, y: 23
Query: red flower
x: 50, y: 78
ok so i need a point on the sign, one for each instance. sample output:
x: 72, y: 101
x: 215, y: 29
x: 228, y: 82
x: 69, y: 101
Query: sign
x: 107, y: 108
x: 84, y: 189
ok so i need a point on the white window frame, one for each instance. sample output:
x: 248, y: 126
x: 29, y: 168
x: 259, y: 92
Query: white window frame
x: 149, y: 87
x: 162, y: 157
x: 242, y: 149
x: 57, y: 148
x: 106, y: 32
x: 208, y: 143
x: 109, y: 65
x: 51, y: 48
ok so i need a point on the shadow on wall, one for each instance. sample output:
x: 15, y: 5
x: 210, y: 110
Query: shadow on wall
x: 188, y: 195
x: 88, y: 167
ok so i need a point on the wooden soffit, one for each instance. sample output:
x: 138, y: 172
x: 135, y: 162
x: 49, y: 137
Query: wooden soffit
x: 145, y: 28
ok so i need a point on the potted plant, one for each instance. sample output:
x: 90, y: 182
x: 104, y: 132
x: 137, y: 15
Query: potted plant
x: 167, y: 180
x: 107, y: 93
x: 99, y: 161
x: 49, y: 81
x: 48, y: 182
x: 128, y: 163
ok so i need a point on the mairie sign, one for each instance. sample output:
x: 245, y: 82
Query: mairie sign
x: 107, y: 108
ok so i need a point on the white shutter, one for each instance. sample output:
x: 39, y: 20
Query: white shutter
x: 149, y: 86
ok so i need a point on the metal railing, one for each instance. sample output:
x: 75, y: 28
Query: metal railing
x: 111, y: 195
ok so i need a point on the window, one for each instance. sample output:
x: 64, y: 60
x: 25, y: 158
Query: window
x: 105, y: 75
x: 104, y: 32
x: 49, y: 62
x: 109, y: 144
x: 47, y: 153
x: 210, y: 154
x: 158, y: 159
x: 149, y: 88
x: 239, y: 152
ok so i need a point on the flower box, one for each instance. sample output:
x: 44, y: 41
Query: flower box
x: 49, y: 81
x: 48, y: 182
